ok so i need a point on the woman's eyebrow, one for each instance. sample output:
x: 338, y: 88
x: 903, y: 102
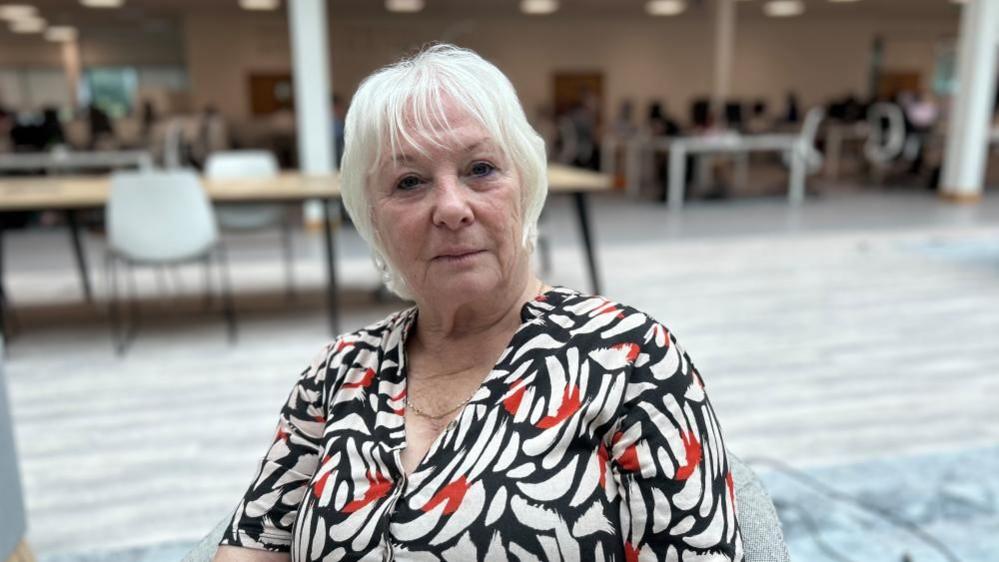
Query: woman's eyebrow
x: 479, y: 144
x: 405, y: 158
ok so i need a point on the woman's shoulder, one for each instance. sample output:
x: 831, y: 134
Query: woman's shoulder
x: 379, y: 336
x: 579, y: 313
x: 362, y: 345
x: 609, y: 332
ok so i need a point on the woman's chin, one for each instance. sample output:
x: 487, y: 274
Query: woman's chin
x: 466, y: 286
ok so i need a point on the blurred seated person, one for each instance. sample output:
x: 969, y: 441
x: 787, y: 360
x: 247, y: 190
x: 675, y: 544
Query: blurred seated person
x: 703, y: 123
x: 51, y: 128
x: 337, y: 115
x: 6, y: 124
x: 792, y: 111
x: 733, y: 116
x: 660, y: 123
x: 148, y: 119
x: 38, y: 134
x: 578, y: 133
x: 211, y: 135
x: 101, y: 130
x: 759, y: 120
x: 702, y: 119
x: 546, y: 125
x: 624, y: 124
x: 497, y: 414
x: 921, y: 116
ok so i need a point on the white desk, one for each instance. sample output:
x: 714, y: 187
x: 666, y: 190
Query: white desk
x: 790, y: 144
x: 636, y: 148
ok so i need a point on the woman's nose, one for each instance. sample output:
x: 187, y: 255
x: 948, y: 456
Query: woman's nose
x: 451, y: 205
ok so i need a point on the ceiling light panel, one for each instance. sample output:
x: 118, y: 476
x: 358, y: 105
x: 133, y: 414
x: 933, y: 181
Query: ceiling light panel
x: 60, y: 33
x: 538, y: 7
x: 665, y: 7
x: 35, y: 25
x: 784, y: 8
x: 404, y: 6
x: 259, y: 5
x: 14, y: 12
x: 103, y: 3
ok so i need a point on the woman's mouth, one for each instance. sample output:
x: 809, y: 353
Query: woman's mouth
x: 458, y: 256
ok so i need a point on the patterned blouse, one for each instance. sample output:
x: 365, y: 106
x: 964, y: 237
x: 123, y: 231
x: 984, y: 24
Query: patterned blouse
x: 591, y: 439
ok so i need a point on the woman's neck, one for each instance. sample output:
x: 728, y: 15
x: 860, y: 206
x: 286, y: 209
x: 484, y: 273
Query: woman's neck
x: 459, y: 333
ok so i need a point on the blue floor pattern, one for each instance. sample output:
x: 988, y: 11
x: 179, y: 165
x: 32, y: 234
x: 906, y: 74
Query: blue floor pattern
x: 951, y: 497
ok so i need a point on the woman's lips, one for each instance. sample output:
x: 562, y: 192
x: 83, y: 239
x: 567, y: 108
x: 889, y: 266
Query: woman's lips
x: 458, y: 256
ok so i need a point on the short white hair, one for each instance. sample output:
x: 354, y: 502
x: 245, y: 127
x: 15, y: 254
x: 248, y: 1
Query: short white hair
x: 403, y: 102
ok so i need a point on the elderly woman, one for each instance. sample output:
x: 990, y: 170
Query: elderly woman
x: 498, y: 418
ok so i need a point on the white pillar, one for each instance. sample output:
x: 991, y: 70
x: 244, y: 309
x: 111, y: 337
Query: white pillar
x: 724, y: 46
x: 310, y: 68
x: 71, y: 66
x: 971, y: 113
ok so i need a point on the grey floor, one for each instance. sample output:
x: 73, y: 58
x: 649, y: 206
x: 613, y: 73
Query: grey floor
x: 851, y: 333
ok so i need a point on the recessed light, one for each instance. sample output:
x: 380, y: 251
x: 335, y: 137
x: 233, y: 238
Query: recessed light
x: 665, y: 7
x: 784, y: 8
x: 60, y: 33
x: 102, y: 3
x: 259, y: 4
x: 844, y: 1
x: 34, y: 25
x: 14, y: 12
x: 538, y: 7
x: 406, y: 6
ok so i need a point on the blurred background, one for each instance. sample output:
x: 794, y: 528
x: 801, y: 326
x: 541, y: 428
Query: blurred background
x: 803, y: 190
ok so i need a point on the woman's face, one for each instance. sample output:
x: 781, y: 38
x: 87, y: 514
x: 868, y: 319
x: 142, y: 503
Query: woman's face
x: 450, y: 219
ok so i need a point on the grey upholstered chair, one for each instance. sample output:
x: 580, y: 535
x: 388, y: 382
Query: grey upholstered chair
x: 762, y: 537
x: 11, y: 503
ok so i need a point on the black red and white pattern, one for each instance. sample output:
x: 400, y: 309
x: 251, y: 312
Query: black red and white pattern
x: 591, y: 439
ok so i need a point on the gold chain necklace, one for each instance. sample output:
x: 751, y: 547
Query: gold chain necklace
x: 416, y: 409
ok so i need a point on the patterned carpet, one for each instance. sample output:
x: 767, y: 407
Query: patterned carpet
x: 914, y: 506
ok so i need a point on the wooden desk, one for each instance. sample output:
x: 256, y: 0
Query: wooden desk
x: 71, y: 194
x: 76, y: 160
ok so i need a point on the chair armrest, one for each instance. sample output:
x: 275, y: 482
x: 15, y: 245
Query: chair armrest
x: 762, y: 536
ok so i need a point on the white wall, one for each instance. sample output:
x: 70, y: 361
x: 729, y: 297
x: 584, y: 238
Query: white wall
x: 641, y: 58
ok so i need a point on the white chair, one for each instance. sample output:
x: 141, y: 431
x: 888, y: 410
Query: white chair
x: 886, y: 140
x: 161, y: 218
x: 806, y: 141
x: 253, y: 164
x: 809, y: 133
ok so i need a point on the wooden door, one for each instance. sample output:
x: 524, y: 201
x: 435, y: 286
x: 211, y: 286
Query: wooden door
x: 570, y: 88
x: 270, y: 93
x: 893, y: 82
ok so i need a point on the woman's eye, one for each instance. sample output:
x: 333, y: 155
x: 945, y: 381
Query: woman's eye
x: 482, y: 169
x: 408, y: 182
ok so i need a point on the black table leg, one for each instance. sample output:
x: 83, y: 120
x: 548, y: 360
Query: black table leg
x: 3, y: 293
x: 584, y: 227
x: 81, y: 259
x: 332, y: 297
